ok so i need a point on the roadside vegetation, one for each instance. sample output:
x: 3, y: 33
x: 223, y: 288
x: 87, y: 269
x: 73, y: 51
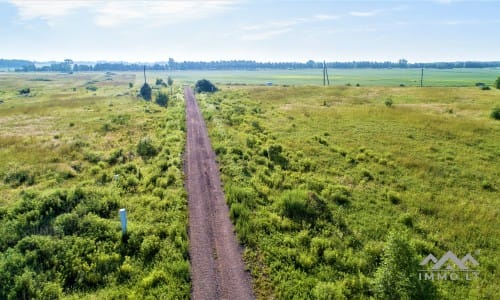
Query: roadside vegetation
x: 70, y: 157
x: 340, y: 192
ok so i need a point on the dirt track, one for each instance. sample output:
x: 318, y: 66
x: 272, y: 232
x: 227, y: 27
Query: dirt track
x: 217, y: 270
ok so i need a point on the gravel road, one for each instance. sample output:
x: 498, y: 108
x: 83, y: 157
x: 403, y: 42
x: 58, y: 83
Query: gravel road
x: 217, y: 269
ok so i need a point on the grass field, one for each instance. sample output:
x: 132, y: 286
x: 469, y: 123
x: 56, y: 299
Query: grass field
x: 72, y: 152
x: 327, y: 187
x: 365, y: 77
x: 318, y: 178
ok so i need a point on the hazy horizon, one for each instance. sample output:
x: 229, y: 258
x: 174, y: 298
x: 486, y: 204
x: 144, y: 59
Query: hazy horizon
x: 281, y: 31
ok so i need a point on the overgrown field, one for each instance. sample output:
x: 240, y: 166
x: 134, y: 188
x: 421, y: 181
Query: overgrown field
x: 73, y: 151
x: 340, y: 192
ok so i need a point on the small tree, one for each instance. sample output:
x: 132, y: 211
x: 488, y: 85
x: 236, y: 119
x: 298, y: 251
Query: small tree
x: 170, y: 81
x: 145, y: 89
x: 206, y: 86
x: 495, y: 113
x: 397, y: 277
x: 497, y: 83
x: 161, y: 99
x: 160, y: 81
x: 146, y: 92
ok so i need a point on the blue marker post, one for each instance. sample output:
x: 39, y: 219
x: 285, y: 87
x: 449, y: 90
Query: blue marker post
x: 123, y: 219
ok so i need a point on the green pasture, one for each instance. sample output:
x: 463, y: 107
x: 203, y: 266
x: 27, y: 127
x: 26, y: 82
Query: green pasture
x: 364, y: 77
x: 74, y: 151
x: 338, y: 195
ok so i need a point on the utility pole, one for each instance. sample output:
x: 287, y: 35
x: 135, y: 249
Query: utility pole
x: 326, y: 79
x: 144, y: 73
x: 422, y: 78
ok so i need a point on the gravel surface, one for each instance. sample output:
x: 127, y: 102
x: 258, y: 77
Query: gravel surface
x: 217, y: 269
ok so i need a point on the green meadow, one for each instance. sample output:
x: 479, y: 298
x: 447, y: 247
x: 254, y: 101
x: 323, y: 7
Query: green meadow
x: 340, y: 192
x: 363, y: 77
x: 74, y: 151
x: 336, y: 192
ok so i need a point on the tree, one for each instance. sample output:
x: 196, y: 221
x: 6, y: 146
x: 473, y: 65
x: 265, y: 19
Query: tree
x: 497, y: 83
x: 145, y: 89
x: 397, y: 277
x: 161, y: 99
x: 170, y: 81
x: 160, y: 81
x: 205, y: 85
x: 146, y: 92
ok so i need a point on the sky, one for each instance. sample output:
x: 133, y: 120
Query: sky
x: 277, y: 30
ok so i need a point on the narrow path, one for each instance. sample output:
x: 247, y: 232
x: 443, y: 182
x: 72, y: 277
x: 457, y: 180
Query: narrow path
x: 217, y: 270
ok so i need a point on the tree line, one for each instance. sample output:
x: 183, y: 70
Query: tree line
x: 28, y: 66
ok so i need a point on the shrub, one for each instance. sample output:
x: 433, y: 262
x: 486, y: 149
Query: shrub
x: 303, y: 205
x: 495, y: 113
x: 24, y: 91
x: 397, y: 277
x: 146, y: 92
x: 161, y: 99
x: 205, y: 86
x: 485, y: 88
x: 497, y: 83
x: 394, y: 197
x: 18, y: 177
x: 91, y: 88
x: 146, y: 149
x: 388, y: 102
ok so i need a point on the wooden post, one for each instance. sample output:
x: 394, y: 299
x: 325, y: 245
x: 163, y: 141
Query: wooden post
x: 144, y: 73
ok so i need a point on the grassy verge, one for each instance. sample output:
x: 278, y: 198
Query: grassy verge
x: 338, y: 194
x: 73, y: 151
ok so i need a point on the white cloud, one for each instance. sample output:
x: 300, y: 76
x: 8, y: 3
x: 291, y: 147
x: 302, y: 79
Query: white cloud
x: 264, y: 35
x: 324, y: 17
x: 365, y: 13
x: 46, y: 9
x: 114, y: 13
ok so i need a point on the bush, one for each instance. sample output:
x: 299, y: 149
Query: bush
x: 303, y: 205
x: 205, y: 86
x: 24, y: 91
x: 397, y: 277
x: 388, y: 102
x: 146, y: 92
x: 146, y: 149
x: 91, y: 88
x: 485, y: 88
x: 495, y: 113
x: 18, y: 177
x: 161, y: 99
x: 497, y: 83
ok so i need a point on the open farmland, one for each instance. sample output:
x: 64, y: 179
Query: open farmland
x: 334, y: 190
x: 364, y: 77
x: 72, y: 152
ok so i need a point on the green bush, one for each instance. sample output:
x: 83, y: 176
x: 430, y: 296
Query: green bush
x: 397, y: 277
x: 146, y: 92
x: 495, y: 113
x: 205, y: 86
x: 497, y: 83
x: 19, y: 177
x: 24, y: 91
x: 388, y: 102
x: 146, y: 149
x: 162, y: 99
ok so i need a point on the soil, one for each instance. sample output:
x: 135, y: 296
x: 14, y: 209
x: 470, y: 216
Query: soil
x: 217, y: 268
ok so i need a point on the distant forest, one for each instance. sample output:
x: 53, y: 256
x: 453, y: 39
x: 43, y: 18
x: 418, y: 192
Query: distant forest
x: 69, y: 66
